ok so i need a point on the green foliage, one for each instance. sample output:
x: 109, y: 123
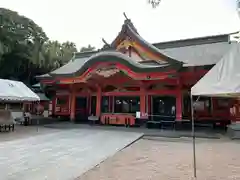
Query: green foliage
x: 57, y: 54
x: 26, y: 51
x: 87, y: 49
x: 19, y: 32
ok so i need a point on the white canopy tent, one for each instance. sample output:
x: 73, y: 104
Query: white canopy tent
x: 16, y: 91
x: 223, y: 80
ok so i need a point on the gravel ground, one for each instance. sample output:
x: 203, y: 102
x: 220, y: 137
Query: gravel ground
x: 167, y: 159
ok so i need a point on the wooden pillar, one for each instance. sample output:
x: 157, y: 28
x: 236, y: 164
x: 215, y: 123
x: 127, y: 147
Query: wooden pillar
x: 99, y: 98
x: 179, y: 101
x: 142, y: 101
x: 72, y: 103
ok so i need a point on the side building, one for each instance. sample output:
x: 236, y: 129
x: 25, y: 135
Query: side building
x: 130, y: 75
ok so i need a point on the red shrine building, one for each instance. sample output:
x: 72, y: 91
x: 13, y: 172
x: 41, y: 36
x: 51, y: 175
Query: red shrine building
x: 131, y: 75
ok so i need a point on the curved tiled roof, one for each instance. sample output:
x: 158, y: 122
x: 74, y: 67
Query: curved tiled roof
x: 78, y: 66
x: 200, y: 51
x: 129, y: 29
x: 199, y: 55
x: 191, y: 52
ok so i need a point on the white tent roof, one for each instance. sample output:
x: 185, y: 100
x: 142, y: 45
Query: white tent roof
x: 223, y: 79
x: 16, y: 91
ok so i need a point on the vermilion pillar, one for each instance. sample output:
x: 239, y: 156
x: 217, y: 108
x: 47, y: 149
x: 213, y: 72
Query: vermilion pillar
x: 179, y: 100
x: 98, y: 104
x: 142, y: 101
x: 72, y: 103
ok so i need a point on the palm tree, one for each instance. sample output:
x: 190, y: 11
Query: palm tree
x: 68, y: 50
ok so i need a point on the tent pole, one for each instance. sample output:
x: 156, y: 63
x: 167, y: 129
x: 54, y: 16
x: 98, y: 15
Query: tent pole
x: 37, y: 117
x: 193, y: 139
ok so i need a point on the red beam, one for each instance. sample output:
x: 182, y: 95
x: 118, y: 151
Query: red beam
x: 117, y: 81
x: 138, y: 93
x: 47, y: 81
x: 129, y: 93
x: 190, y: 74
x: 162, y: 92
x: 122, y: 67
x: 120, y: 80
x: 167, y: 81
x: 82, y: 94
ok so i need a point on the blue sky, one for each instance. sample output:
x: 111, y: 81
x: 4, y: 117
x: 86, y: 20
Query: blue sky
x: 88, y: 21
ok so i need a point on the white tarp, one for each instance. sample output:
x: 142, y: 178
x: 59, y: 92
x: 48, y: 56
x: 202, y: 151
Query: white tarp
x: 16, y: 91
x: 223, y: 79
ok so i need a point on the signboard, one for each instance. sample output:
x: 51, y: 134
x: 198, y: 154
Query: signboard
x: 141, y: 115
x: 138, y: 114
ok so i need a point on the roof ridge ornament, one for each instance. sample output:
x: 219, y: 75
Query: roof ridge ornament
x: 128, y: 22
x: 105, y: 43
x: 106, y: 46
x: 125, y: 16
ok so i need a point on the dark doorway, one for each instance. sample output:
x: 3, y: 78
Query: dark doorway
x: 81, y: 109
x: 164, y: 108
x: 93, y: 105
x: 129, y: 104
x: 186, y: 106
x: 105, y: 104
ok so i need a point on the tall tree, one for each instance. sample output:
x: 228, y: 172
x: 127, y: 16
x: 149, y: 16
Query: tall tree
x: 25, y: 50
x: 57, y: 54
x: 52, y: 54
x: 17, y: 31
x: 21, y: 41
x: 68, y: 50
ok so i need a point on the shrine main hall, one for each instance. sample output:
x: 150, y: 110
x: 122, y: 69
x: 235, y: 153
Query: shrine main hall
x: 131, y: 75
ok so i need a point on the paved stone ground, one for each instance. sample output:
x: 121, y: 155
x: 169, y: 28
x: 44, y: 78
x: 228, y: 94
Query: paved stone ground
x: 57, y: 155
x: 171, y: 159
x: 25, y: 132
x: 200, y: 132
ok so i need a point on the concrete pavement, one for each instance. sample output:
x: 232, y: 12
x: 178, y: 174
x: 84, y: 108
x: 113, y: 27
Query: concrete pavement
x: 147, y: 132
x: 60, y: 155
